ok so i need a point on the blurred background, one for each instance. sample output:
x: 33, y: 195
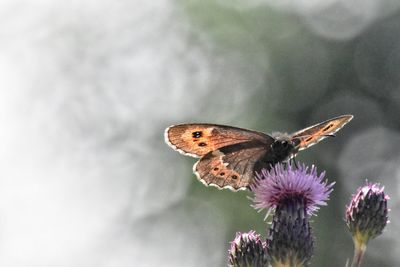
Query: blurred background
x: 88, y: 87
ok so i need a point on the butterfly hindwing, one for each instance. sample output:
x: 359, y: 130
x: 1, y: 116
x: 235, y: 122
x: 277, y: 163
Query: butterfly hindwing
x: 197, y: 140
x: 232, y: 166
x: 315, y: 133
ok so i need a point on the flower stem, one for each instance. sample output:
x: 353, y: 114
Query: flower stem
x: 359, y: 251
x: 291, y: 261
x: 281, y: 265
x: 287, y: 264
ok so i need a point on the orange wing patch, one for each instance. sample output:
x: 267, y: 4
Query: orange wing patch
x: 193, y: 141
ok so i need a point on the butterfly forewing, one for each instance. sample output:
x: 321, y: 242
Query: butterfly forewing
x: 314, y: 134
x: 197, y: 140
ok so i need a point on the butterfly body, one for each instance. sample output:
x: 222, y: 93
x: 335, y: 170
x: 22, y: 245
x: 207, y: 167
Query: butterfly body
x: 230, y: 156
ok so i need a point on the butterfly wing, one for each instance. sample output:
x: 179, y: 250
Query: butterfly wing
x: 315, y: 133
x: 234, y: 166
x: 197, y: 140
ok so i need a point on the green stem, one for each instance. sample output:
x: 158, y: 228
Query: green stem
x: 359, y: 251
x: 291, y: 262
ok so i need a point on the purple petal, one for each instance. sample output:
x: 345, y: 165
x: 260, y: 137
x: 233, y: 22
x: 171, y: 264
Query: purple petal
x: 280, y: 183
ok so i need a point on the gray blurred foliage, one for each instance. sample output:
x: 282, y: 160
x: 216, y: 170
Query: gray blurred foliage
x: 89, y: 87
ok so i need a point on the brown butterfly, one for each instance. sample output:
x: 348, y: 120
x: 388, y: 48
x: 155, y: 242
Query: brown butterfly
x: 230, y: 156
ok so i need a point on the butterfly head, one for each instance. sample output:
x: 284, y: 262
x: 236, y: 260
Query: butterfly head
x: 285, y: 147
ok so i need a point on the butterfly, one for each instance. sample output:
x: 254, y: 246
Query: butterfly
x: 230, y: 156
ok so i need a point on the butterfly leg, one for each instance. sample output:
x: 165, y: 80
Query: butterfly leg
x: 295, y: 162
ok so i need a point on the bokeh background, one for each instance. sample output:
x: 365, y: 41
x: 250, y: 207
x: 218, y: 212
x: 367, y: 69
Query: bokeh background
x: 88, y: 87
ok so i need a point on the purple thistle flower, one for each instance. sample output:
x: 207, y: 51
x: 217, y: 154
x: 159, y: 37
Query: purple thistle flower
x: 280, y: 184
x: 366, y: 217
x: 294, y: 194
x: 247, y: 250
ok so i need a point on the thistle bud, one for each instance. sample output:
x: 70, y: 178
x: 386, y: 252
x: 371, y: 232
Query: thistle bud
x: 367, y: 213
x: 247, y: 250
x: 366, y: 217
